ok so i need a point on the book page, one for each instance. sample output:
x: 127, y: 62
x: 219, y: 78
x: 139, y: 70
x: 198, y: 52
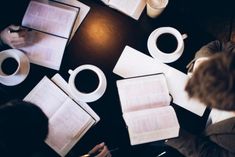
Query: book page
x: 44, y: 49
x: 134, y: 63
x: 67, y: 124
x: 47, y: 96
x: 84, y: 9
x: 132, y: 8
x: 60, y: 82
x: 152, y: 124
x: 50, y: 17
x: 143, y: 92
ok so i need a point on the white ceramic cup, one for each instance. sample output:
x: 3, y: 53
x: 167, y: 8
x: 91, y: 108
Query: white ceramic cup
x: 156, y: 7
x: 94, y: 95
x: 162, y: 56
x: 3, y: 57
x: 20, y: 73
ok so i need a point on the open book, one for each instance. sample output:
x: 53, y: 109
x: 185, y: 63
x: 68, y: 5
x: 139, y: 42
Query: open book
x: 145, y: 103
x: 134, y: 63
x: 68, y: 120
x: 52, y: 24
x: 83, y: 11
x: 132, y: 8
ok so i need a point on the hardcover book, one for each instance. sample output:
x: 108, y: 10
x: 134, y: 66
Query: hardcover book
x: 145, y: 103
x: 51, y: 24
x: 69, y: 120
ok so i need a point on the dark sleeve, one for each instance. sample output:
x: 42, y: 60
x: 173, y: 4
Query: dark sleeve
x: 229, y: 47
x: 196, y: 146
x: 209, y: 49
x: 2, y: 45
x: 215, y: 47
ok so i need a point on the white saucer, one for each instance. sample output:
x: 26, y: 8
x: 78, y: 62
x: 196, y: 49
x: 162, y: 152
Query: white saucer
x: 97, y: 93
x: 23, y: 70
x: 158, y: 54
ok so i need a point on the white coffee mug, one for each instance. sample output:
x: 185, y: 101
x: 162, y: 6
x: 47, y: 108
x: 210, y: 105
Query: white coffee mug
x: 156, y: 7
x: 162, y: 56
x: 21, y: 71
x: 4, y: 57
x: 94, y: 95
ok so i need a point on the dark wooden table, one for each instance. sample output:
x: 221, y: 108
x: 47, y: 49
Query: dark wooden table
x: 100, y: 41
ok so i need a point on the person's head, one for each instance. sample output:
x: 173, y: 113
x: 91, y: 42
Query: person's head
x: 23, y: 128
x: 213, y: 82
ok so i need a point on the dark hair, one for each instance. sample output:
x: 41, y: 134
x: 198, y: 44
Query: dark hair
x: 213, y: 82
x: 23, y: 127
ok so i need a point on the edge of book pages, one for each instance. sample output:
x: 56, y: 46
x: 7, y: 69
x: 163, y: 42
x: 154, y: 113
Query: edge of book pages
x: 134, y: 10
x: 134, y: 63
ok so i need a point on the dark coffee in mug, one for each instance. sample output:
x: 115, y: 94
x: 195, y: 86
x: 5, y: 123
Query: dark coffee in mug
x: 86, y: 81
x: 167, y: 43
x: 9, y: 66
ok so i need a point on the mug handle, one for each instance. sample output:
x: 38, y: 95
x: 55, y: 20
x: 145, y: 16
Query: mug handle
x: 184, y: 36
x: 70, y: 71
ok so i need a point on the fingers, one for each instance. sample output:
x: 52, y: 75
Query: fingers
x: 97, y: 148
x: 19, y: 42
x: 18, y: 34
x: 14, y: 39
x: 14, y: 27
x: 104, y: 153
x: 100, y: 150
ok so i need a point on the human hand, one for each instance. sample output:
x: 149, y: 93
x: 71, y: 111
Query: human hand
x: 14, y: 36
x: 100, y: 150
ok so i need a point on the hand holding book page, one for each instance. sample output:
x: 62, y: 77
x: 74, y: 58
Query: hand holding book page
x: 68, y: 122
x: 132, y: 8
x: 145, y: 104
x: 52, y: 25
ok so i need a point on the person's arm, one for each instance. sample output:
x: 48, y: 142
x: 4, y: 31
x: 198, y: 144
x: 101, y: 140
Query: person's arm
x: 100, y: 150
x: 13, y: 36
x: 196, y: 146
x: 2, y: 45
